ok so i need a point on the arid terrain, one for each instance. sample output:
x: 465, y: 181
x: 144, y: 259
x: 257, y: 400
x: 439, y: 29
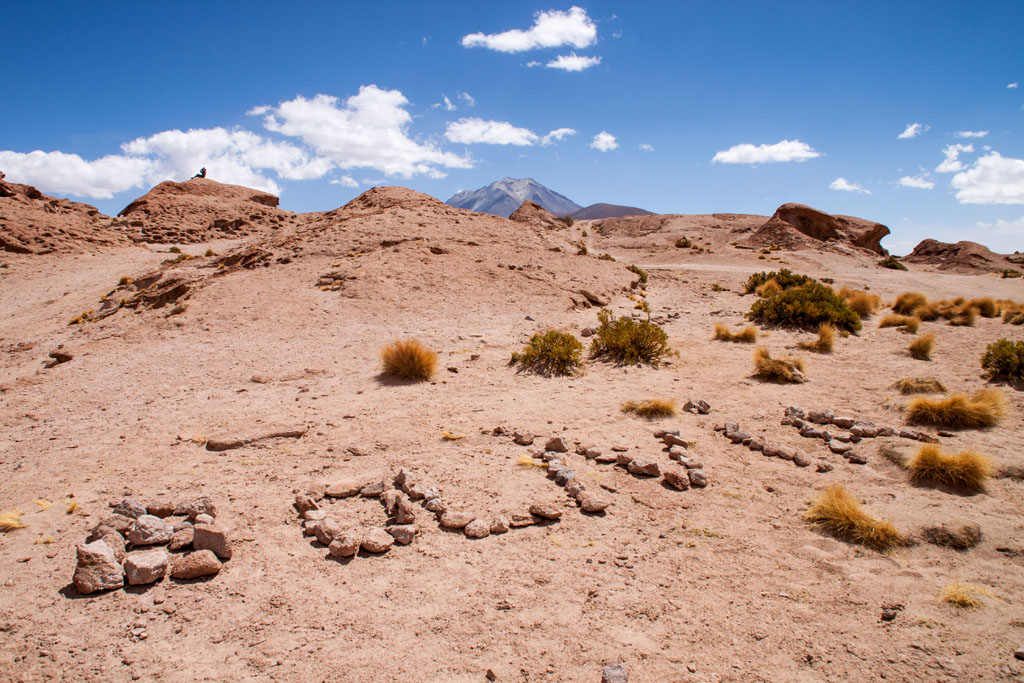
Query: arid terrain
x: 275, y: 325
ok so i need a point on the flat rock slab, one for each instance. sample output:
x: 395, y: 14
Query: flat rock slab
x: 227, y: 443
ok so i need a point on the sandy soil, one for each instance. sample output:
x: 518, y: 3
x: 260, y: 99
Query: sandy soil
x: 721, y: 584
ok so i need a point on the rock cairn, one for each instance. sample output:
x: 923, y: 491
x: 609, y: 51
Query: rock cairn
x: 130, y: 546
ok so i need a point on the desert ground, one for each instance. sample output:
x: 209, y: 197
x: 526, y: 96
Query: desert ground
x: 722, y: 583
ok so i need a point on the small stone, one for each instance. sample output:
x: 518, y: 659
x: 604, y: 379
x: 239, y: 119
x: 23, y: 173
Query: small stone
x: 644, y: 467
x: 856, y: 459
x: 594, y: 503
x: 756, y: 445
x: 770, y: 450
x: 160, y: 508
x: 420, y: 492
x: 403, y: 478
x: 213, y: 537
x: 886, y: 431
x: 844, y: 438
x: 377, y: 541
x: 478, y: 528
x: 314, y: 515
x: 676, y: 479
x: 810, y: 432
x: 390, y: 500
x: 373, y: 490
x: 304, y: 503
x: 500, y: 524
x: 545, y: 511
x: 614, y: 673
x: 204, y: 519
x: 587, y: 332
x: 676, y: 452
x: 180, y: 539
x: 1019, y: 653
x: 145, y: 567
x: 574, y: 488
x: 564, y: 476
x: 183, y: 524
x: 452, y: 519
x: 519, y: 519
x: 839, y: 448
x: 821, y: 417
x: 556, y: 444
x: 691, y: 463
x: 697, y: 478
x: 523, y: 438
x: 674, y: 440
x: 823, y: 467
x: 623, y: 458
x: 731, y: 427
x: 606, y: 458
x: 116, y: 543
x: 325, y: 530
x: 737, y: 436
x: 98, y: 568
x: 402, y: 533
x: 620, y: 448
x: 404, y: 513
x: 309, y: 526
x: 786, y: 453
x: 194, y: 565
x: 200, y: 506
x: 344, y: 488
x: 555, y: 464
x: 865, y: 430
x: 345, y: 544
x: 150, y: 530
x: 843, y: 422
x: 794, y: 411
x: 697, y: 406
x: 435, y: 505
x: 800, y: 459
x: 888, y: 614
x: 129, y: 508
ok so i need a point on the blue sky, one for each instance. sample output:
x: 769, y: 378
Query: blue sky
x: 680, y: 107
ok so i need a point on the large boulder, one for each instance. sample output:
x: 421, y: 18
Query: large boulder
x: 797, y: 226
x: 961, y: 257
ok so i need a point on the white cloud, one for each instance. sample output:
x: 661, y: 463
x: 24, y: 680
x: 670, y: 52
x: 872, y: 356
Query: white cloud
x: 368, y: 130
x: 952, y: 163
x: 1011, y: 227
x: 532, y: 63
x: 550, y: 29
x: 994, y: 179
x: 445, y: 102
x: 573, y: 62
x: 846, y: 186
x: 646, y: 147
x: 971, y: 133
x: 785, y: 150
x: 920, y: 182
x: 557, y: 135
x: 467, y: 98
x: 912, y: 131
x: 604, y: 142
x: 476, y: 130
x: 1012, y: 85
x: 345, y: 181
x: 60, y: 173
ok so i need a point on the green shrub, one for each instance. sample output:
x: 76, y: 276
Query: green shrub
x: 807, y: 307
x: 683, y: 243
x: 549, y: 354
x: 1004, y: 360
x: 606, y: 257
x: 784, y: 277
x: 1009, y: 273
x: 639, y: 273
x: 627, y: 341
x: 567, y: 220
x: 891, y: 262
x: 174, y: 250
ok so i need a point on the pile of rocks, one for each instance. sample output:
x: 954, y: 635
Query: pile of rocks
x: 732, y: 431
x: 108, y: 559
x: 588, y: 501
x: 692, y: 472
x: 805, y: 421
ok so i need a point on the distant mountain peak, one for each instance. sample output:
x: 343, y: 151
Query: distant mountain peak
x: 503, y: 197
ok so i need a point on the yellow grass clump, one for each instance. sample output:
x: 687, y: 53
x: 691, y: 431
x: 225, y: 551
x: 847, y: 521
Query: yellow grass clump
x: 650, y: 409
x: 983, y: 408
x: 839, y: 513
x: 863, y: 304
x: 920, y: 385
x: 747, y: 336
x: 408, y: 359
x: 985, y: 306
x: 921, y: 348
x: 908, y: 302
x: 964, y: 316
x: 908, y: 323
x: 770, y: 288
x: 964, y: 595
x: 11, y: 520
x: 965, y: 470
x: 778, y: 370
x: 955, y: 535
x: 825, y: 341
x: 526, y: 461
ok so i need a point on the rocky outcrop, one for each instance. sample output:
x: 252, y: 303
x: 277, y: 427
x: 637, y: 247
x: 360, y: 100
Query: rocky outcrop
x: 962, y: 257
x: 796, y: 226
x: 531, y: 212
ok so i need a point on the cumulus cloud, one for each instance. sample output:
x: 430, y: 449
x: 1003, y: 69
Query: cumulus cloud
x: 368, y: 130
x: 550, y: 29
x: 604, y: 142
x: 467, y: 98
x: 573, y: 62
x: 476, y: 130
x: 971, y: 133
x: 846, y: 186
x: 994, y: 179
x: 60, y: 173
x: 345, y: 181
x: 912, y: 131
x: 557, y: 135
x: 785, y: 150
x: 646, y: 147
x: 952, y: 163
x: 920, y: 182
x: 1012, y: 85
x: 1014, y: 227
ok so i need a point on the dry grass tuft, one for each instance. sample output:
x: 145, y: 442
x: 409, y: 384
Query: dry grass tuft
x: 863, y: 304
x: 650, y: 409
x: 11, y: 520
x: 908, y: 302
x: 985, y: 306
x: 42, y: 503
x: 839, y: 513
x: 965, y: 316
x: 966, y: 470
x: 964, y: 595
x: 825, y: 341
x: 770, y: 288
x: 921, y: 348
x: 908, y: 323
x: 526, y: 461
x: 448, y: 436
x: 984, y: 408
x: 778, y: 370
x: 408, y: 359
x: 920, y: 385
x: 746, y: 336
x: 72, y: 507
x: 958, y: 536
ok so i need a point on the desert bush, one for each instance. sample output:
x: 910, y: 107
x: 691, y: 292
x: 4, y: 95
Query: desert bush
x: 408, y: 359
x: 928, y: 312
x: 683, y: 243
x: 985, y: 306
x: 921, y: 348
x: 966, y: 470
x: 627, y: 341
x: 984, y: 408
x: 839, y: 513
x: 606, y: 257
x: 1012, y: 273
x: 907, y: 302
x: 581, y: 249
x: 824, y: 342
x: 780, y: 370
x: 567, y: 220
x: 961, y: 316
x: 863, y: 304
x: 125, y: 280
x: 891, y: 262
x: 805, y: 306
x: 963, y: 595
x: 957, y: 536
x: 908, y: 323
x: 1003, y: 360
x: 550, y: 354
x: 785, y: 279
x: 650, y: 409
x: 209, y: 252
x: 639, y: 272
x: 174, y: 250
x: 770, y: 288
x: 747, y: 336
x: 920, y: 385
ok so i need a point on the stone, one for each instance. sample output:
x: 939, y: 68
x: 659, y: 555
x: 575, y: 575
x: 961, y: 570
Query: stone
x: 574, y: 488
x: 800, y: 459
x: 304, y: 503
x: 564, y: 476
x: 770, y: 450
x: 160, y: 508
x: 556, y: 444
x: 864, y: 430
x: 183, y: 524
x: 886, y: 431
x: 660, y: 433
x: 888, y: 614
x: 523, y: 438
x: 676, y: 479
x: 591, y: 452
x: 435, y: 505
x: 373, y: 490
x: 731, y: 427
x: 697, y: 478
x: 452, y: 519
x: 606, y: 458
x: 346, y: 544
x: 739, y: 437
x: 593, y: 503
x: 421, y: 492
x: 545, y: 511
x: 614, y: 673
x: 810, y: 432
x: 404, y: 513
x: 674, y: 440
x: 325, y: 530
x: 150, y: 530
x: 519, y: 519
x: 856, y: 459
x: 309, y: 526
x: 844, y: 438
x: 623, y: 458
x: 200, y: 506
x: 377, y: 541
x: 101, y: 530
x: 795, y: 411
x: 129, y: 508
x: 181, y: 539
x: 344, y: 488
x: 213, y: 537
x: 676, y: 452
x: 500, y: 524
x: 843, y: 422
x: 756, y: 445
x: 821, y: 417
x: 403, y: 479
x: 402, y: 533
x: 691, y: 463
x: 823, y: 467
x: 390, y: 500
x: 478, y: 528
x: 697, y: 406
x: 195, y: 564
x: 116, y: 543
x: 1019, y: 653
x: 644, y: 467
x: 620, y: 448
x: 314, y: 515
x: 204, y: 519
x: 554, y: 465
x: 839, y: 448
x: 98, y: 568
x: 786, y: 453
x: 145, y: 567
